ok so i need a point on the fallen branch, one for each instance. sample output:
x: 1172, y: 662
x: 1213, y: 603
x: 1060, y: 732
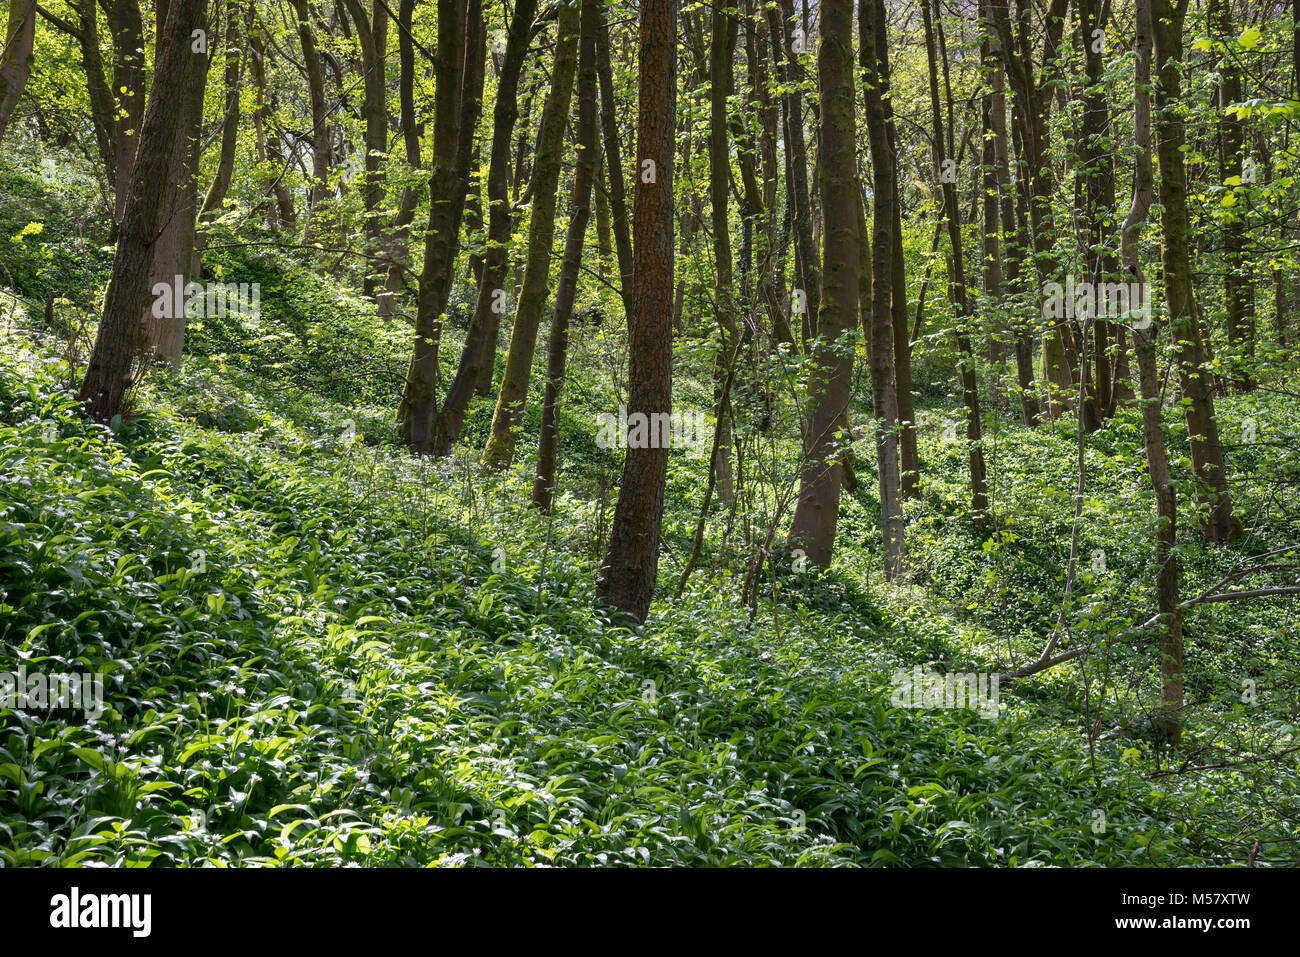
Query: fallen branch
x: 1183, y: 769
x: 1207, y: 597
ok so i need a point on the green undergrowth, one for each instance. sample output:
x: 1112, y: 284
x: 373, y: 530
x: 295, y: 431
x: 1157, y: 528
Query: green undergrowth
x: 319, y: 651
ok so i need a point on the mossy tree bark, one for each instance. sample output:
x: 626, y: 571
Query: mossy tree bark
x: 500, y: 447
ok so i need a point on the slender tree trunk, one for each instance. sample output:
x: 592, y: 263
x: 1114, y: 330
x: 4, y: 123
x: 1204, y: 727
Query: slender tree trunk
x: 721, y: 49
x: 806, y: 294
x: 558, y: 342
x: 817, y: 510
x: 215, y: 197
x: 631, y: 563
x: 1014, y: 239
x: 957, y: 289
x: 886, y: 286
x: 461, y: 44
x: 500, y: 446
x: 1238, y: 289
x: 1202, y: 423
x: 990, y: 245
x: 770, y: 285
x: 614, y: 164
x: 320, y: 130
x: 909, y: 460
x: 477, y: 357
x: 604, y: 233
x: 1098, y: 172
x: 1144, y: 336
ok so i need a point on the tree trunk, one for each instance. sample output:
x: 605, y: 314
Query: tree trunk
x: 614, y: 164
x: 604, y: 232
x: 817, y: 510
x: 111, y: 372
x: 16, y: 55
x: 320, y: 131
x: 1238, y: 290
x: 476, y: 358
x: 1171, y: 643
x: 1202, y: 423
x: 500, y: 446
x: 957, y: 288
x: 631, y: 563
x: 558, y: 342
x: 888, y: 290
x: 461, y: 43
x: 805, y: 297
x: 173, y: 252
x: 909, y: 460
x: 1098, y: 172
x: 721, y: 49
x: 886, y: 267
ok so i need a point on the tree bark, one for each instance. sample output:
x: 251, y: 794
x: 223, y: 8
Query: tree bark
x: 817, y: 510
x: 1097, y: 170
x: 319, y: 135
x: 614, y: 164
x: 721, y: 50
x: 1202, y: 423
x: 886, y: 267
x: 500, y: 446
x: 1171, y: 642
x: 790, y: 73
x: 480, y: 344
x: 461, y: 46
x: 580, y: 214
x: 16, y: 57
x: 957, y: 288
x: 112, y: 368
x: 173, y: 252
x: 631, y: 563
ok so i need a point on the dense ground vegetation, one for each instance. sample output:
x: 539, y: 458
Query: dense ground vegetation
x: 321, y: 648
